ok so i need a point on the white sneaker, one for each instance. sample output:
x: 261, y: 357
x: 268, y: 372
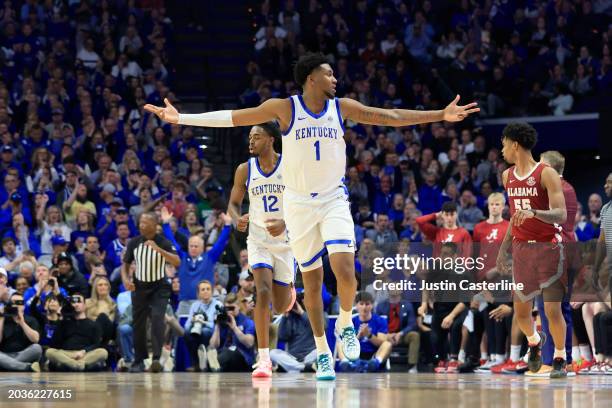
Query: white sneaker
x: 202, y: 359
x: 213, y: 362
x: 325, y: 367
x: 350, y: 344
x: 413, y: 370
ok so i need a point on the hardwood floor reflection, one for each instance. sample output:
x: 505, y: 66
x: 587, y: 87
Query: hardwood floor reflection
x: 179, y: 390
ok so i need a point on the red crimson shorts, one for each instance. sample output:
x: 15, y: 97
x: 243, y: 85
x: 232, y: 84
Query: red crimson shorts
x: 537, y: 265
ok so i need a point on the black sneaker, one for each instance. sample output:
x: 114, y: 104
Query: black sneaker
x: 559, y: 369
x: 137, y: 367
x: 469, y: 365
x: 535, y: 354
x: 156, y: 367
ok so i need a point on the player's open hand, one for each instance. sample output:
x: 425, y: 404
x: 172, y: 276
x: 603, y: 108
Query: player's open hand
x: 275, y: 227
x: 167, y: 113
x: 166, y: 215
x: 520, y: 216
x: 456, y: 113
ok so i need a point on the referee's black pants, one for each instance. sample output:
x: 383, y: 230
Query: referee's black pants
x: 149, y: 300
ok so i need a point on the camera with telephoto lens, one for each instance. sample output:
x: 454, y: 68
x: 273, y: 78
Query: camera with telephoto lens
x: 222, y: 316
x: 11, y: 309
x: 198, y: 321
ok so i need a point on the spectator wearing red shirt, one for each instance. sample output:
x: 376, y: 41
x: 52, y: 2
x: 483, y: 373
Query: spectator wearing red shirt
x: 490, y: 233
x: 449, y: 232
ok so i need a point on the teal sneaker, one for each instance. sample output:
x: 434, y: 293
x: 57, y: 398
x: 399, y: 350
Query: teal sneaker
x: 350, y: 343
x: 325, y: 368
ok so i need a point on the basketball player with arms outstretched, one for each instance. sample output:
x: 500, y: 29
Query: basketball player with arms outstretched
x: 270, y: 257
x: 537, y: 207
x: 315, y: 200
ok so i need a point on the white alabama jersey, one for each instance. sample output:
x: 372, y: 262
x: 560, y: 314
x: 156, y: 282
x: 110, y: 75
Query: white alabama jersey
x: 314, y: 149
x: 265, y: 199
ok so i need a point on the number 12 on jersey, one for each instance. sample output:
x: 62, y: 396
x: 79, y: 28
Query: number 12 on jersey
x: 269, y: 203
x: 522, y: 204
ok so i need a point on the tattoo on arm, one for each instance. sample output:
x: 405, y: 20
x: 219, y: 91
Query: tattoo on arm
x: 553, y: 216
x: 382, y: 118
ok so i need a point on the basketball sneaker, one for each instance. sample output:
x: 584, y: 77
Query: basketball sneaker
x: 485, y: 366
x: 452, y: 367
x: 349, y: 341
x: 263, y: 370
x: 325, y: 367
x: 535, y: 354
x: 559, y: 368
x: 441, y: 368
x: 584, y: 366
x: 514, y: 367
x: 497, y: 368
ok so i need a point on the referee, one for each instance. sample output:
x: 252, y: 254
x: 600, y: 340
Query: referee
x: 604, y: 244
x: 150, y: 287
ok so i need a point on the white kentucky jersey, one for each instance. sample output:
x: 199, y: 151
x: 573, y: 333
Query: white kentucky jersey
x: 265, y: 198
x: 314, y: 150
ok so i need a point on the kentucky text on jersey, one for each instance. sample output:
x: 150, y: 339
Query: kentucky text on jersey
x: 316, y: 131
x: 267, y: 189
x: 522, y: 191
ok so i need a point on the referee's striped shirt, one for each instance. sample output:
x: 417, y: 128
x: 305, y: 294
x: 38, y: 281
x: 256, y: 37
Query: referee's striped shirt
x: 606, y: 227
x: 150, y: 264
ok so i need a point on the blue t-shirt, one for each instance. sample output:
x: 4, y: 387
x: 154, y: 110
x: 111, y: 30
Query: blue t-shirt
x: 228, y: 339
x: 377, y: 325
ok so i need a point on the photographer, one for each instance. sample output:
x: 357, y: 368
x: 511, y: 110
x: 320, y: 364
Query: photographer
x: 233, y: 339
x: 295, y: 331
x: 200, y: 325
x: 76, y: 341
x: 47, y: 320
x: 46, y: 284
x: 19, y: 336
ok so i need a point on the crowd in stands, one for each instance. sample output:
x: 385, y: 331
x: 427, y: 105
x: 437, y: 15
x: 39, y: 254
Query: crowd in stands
x: 80, y: 161
x: 516, y: 58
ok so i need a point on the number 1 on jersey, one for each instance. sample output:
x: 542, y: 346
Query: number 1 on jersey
x: 318, y: 149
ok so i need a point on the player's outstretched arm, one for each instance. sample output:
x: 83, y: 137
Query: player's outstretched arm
x: 272, y: 109
x: 357, y: 112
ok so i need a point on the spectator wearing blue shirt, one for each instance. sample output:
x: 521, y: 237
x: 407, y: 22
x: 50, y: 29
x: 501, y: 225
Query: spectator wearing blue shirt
x: 430, y: 195
x: 372, y: 334
x: 45, y: 286
x: 16, y: 203
x: 384, y: 196
x: 396, y: 212
x: 233, y: 341
x: 23, y: 236
x: 195, y: 264
x: 584, y: 229
x: 115, y: 249
x: 401, y: 325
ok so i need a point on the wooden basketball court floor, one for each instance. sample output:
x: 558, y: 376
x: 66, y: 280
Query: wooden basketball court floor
x: 178, y: 390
